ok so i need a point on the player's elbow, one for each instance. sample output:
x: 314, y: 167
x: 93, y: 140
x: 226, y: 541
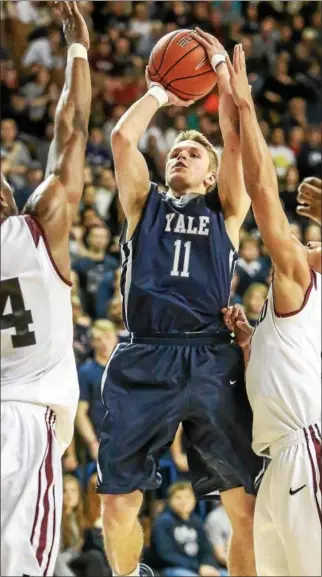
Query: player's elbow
x: 120, y: 138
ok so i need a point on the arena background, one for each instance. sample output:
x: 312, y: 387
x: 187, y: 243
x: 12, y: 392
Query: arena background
x: 282, y: 42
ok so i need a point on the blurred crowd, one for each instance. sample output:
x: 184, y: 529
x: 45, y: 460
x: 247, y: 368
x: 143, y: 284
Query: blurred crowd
x: 282, y: 42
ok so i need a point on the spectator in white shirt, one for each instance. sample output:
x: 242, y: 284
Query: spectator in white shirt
x: 283, y: 156
x: 218, y: 529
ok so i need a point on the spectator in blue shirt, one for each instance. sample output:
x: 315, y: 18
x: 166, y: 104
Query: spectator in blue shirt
x: 96, y: 272
x: 179, y: 544
x: 91, y: 410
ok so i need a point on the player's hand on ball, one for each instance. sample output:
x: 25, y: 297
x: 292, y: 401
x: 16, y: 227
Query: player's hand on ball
x: 74, y: 25
x: 173, y: 99
x: 238, y: 77
x: 309, y: 199
x: 236, y: 321
x: 210, y: 43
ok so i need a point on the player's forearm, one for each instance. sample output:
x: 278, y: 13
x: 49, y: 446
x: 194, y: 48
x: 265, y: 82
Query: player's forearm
x: 85, y: 428
x: 133, y: 124
x: 73, y: 110
x: 228, y: 111
x: 259, y: 171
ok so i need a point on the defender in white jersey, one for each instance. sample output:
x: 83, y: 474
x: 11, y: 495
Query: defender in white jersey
x: 39, y: 385
x: 283, y: 375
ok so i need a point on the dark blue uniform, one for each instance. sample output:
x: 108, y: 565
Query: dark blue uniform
x: 180, y: 363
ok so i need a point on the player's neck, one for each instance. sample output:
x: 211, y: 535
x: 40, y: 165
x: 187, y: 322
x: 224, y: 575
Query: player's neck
x: 186, y: 191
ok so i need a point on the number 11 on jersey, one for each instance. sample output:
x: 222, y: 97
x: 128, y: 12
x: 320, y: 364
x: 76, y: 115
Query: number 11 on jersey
x: 186, y: 259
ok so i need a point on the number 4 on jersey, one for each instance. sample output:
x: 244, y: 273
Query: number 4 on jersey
x: 19, y: 318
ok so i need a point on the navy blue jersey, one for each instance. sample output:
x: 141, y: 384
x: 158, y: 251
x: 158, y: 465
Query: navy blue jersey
x: 177, y: 267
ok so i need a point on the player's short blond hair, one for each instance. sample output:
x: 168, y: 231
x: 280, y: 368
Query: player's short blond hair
x: 197, y: 136
x: 102, y: 326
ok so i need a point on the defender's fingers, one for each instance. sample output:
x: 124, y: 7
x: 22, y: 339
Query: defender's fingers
x: 229, y: 66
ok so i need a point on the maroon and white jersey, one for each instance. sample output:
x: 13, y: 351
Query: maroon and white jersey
x: 284, y: 372
x: 37, y: 358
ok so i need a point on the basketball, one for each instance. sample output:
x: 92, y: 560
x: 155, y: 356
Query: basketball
x: 181, y: 65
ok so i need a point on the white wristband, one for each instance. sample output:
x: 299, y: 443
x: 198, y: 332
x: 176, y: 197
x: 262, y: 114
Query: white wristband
x: 76, y: 50
x: 217, y: 59
x: 159, y: 94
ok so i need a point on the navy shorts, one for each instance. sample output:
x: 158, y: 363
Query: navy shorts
x: 149, y: 387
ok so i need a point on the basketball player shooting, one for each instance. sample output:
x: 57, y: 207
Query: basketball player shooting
x: 179, y: 249
x: 283, y: 375
x: 39, y: 385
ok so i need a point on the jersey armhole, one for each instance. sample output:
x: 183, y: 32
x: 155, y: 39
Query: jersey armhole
x: 38, y: 232
x: 123, y: 240
x: 313, y: 283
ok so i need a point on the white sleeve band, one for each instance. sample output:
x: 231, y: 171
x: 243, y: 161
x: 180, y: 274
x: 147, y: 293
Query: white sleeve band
x: 217, y: 59
x: 159, y: 94
x: 76, y: 50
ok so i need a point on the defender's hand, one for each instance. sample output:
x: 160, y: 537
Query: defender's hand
x: 74, y: 25
x: 173, y: 99
x: 309, y: 199
x: 236, y: 321
x: 210, y: 43
x: 238, y: 77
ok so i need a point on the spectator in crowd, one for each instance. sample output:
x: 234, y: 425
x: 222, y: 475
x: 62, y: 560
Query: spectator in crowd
x: 179, y: 544
x: 93, y: 537
x: 289, y: 192
x: 253, y: 301
x: 15, y: 157
x: 90, y: 412
x: 45, y: 50
x: 218, y: 529
x: 310, y: 158
x: 82, y: 324
x: 72, y: 561
x: 250, y: 267
x: 96, y: 271
x: 283, y: 157
x: 97, y: 153
x: 33, y: 178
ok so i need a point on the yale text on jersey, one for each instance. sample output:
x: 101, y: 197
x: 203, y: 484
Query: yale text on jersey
x: 187, y: 225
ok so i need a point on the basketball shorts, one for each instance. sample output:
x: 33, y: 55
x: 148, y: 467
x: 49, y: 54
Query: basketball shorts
x: 149, y: 387
x: 287, y: 524
x: 31, y: 490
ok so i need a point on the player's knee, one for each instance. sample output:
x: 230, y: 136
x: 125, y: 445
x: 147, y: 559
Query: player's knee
x: 240, y: 508
x: 120, y: 511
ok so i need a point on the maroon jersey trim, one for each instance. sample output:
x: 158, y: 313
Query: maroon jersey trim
x: 37, y: 231
x: 306, y: 298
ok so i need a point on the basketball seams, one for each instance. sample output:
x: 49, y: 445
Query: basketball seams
x: 163, y: 55
x: 187, y: 78
x: 179, y: 60
x: 205, y: 79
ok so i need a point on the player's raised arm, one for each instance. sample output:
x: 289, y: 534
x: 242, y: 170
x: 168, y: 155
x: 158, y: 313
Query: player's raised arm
x: 231, y: 185
x: 288, y: 256
x: 131, y: 170
x: 64, y: 182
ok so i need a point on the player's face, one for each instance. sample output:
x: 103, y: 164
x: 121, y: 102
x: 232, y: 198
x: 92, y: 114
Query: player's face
x: 183, y: 502
x: 187, y: 168
x: 8, y: 205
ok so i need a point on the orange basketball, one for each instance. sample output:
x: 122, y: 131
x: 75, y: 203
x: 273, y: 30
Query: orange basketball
x: 181, y: 65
